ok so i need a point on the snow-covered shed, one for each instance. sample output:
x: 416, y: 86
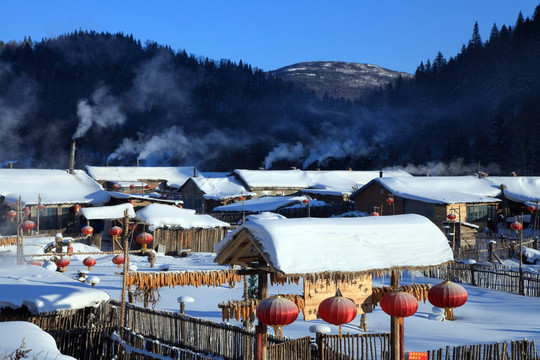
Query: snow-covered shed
x: 57, y: 190
x: 334, y: 249
x: 103, y: 218
x: 516, y: 193
x: 203, y: 194
x: 470, y: 198
x: 181, y: 229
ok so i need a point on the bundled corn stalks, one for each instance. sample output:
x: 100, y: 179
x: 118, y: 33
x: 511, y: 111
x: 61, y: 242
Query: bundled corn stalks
x: 156, y: 280
x: 245, y: 309
x: 419, y: 291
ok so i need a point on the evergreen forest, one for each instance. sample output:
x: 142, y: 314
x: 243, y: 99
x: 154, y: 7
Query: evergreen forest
x: 125, y: 102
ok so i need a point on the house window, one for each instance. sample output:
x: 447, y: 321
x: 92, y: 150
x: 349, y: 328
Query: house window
x: 477, y: 213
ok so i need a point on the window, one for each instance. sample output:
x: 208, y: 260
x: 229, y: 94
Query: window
x: 477, y: 213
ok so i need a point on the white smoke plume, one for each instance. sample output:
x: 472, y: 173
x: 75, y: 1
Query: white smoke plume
x: 334, y: 150
x: 284, y: 152
x: 454, y: 168
x: 102, y: 110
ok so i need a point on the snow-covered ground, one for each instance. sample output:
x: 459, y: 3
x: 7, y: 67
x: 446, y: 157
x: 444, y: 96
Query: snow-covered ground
x: 487, y: 317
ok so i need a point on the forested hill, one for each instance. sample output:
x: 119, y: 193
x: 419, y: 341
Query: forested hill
x: 122, y: 101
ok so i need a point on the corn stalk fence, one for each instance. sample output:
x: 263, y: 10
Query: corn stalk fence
x: 517, y: 350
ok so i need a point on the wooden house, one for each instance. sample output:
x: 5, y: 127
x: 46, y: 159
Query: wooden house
x: 468, y: 198
x: 103, y: 218
x: 203, y: 193
x: 52, y: 197
x: 141, y: 179
x: 177, y: 230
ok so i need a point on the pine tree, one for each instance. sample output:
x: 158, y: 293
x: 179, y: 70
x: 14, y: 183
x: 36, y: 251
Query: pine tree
x: 476, y: 40
x: 494, y: 34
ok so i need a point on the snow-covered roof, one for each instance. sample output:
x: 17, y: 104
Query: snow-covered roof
x: 316, y: 245
x: 265, y: 215
x: 221, y: 188
x: 266, y: 203
x: 53, y: 186
x: 152, y: 197
x: 175, y: 176
x: 440, y: 189
x: 108, y: 212
x: 159, y: 216
x: 335, y: 181
x: 45, y: 291
x: 518, y: 189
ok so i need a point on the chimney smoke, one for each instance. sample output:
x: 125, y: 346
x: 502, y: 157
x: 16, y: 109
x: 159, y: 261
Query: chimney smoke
x: 72, y: 157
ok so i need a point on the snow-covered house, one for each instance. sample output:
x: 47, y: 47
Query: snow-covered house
x: 57, y: 190
x: 180, y: 229
x: 205, y: 193
x: 103, y: 218
x: 517, y: 193
x: 469, y: 198
x: 272, y: 182
x: 334, y: 252
x: 140, y: 178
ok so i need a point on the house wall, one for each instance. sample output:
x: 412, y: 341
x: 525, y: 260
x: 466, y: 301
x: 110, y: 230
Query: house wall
x: 193, y: 197
x: 374, y: 195
x: 176, y: 240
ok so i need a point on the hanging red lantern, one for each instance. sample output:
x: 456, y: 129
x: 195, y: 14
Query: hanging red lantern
x: 144, y: 239
x: 399, y: 304
x: 337, y: 310
x: 35, y: 262
x: 11, y: 214
x: 87, y: 230
x: 41, y: 207
x: 26, y: 211
x: 118, y: 260
x: 148, y: 186
x: 70, y: 250
x: 89, y: 261
x: 62, y: 263
x: 28, y: 225
x: 116, y: 186
x: 241, y: 198
x: 451, y: 216
x: 277, y: 312
x: 132, y: 186
x: 305, y: 201
x: 390, y: 201
x: 115, y: 232
x: 180, y: 206
x: 374, y: 213
x: 516, y: 226
x: 76, y: 208
x: 531, y: 208
x: 447, y: 296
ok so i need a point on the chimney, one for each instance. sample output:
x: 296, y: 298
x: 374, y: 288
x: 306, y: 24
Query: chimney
x: 137, y: 162
x: 350, y: 168
x: 194, y: 172
x: 10, y: 165
x: 72, y: 157
x: 293, y: 167
x: 380, y: 173
x: 261, y: 168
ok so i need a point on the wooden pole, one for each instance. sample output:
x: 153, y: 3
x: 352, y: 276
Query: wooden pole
x: 38, y: 213
x: 126, y: 267
x: 521, y: 287
x: 20, y: 249
x: 395, y: 340
x: 261, y: 330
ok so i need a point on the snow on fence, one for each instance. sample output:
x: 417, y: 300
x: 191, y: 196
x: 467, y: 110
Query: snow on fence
x: 518, y: 350
x: 489, y: 276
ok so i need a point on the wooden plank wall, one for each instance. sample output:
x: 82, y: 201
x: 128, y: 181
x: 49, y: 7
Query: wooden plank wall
x: 198, y: 240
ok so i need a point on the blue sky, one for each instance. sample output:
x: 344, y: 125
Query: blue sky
x: 394, y: 34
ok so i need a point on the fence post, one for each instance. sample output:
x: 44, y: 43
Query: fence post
x: 473, y: 280
x: 490, y: 249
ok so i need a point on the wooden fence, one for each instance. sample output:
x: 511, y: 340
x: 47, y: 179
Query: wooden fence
x: 198, y: 240
x: 518, y: 350
x: 492, y: 248
x: 490, y: 276
x: 297, y: 349
x: 354, y: 346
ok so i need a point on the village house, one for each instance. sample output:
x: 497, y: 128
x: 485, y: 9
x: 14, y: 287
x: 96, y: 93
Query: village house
x: 464, y: 199
x: 51, y: 198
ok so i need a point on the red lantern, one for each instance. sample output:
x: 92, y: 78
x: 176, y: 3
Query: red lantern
x: 132, y: 186
x: 41, y: 207
x: 118, y: 260
x: 390, y: 201
x: 241, y: 198
x: 451, y: 217
x: 516, y: 226
x: 35, y: 262
x: 374, y: 214
x: 26, y: 211
x: 115, y: 232
x: 87, y: 230
x: 144, y: 239
x: 116, y: 186
x: 306, y: 201
x: 531, y: 208
x: 76, y: 208
x: 11, y: 214
x: 148, y: 186
x: 277, y: 312
x: 180, y: 206
x: 447, y: 296
x: 28, y: 225
x: 62, y: 263
x: 89, y: 261
x: 399, y: 304
x: 70, y: 250
x: 337, y: 310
